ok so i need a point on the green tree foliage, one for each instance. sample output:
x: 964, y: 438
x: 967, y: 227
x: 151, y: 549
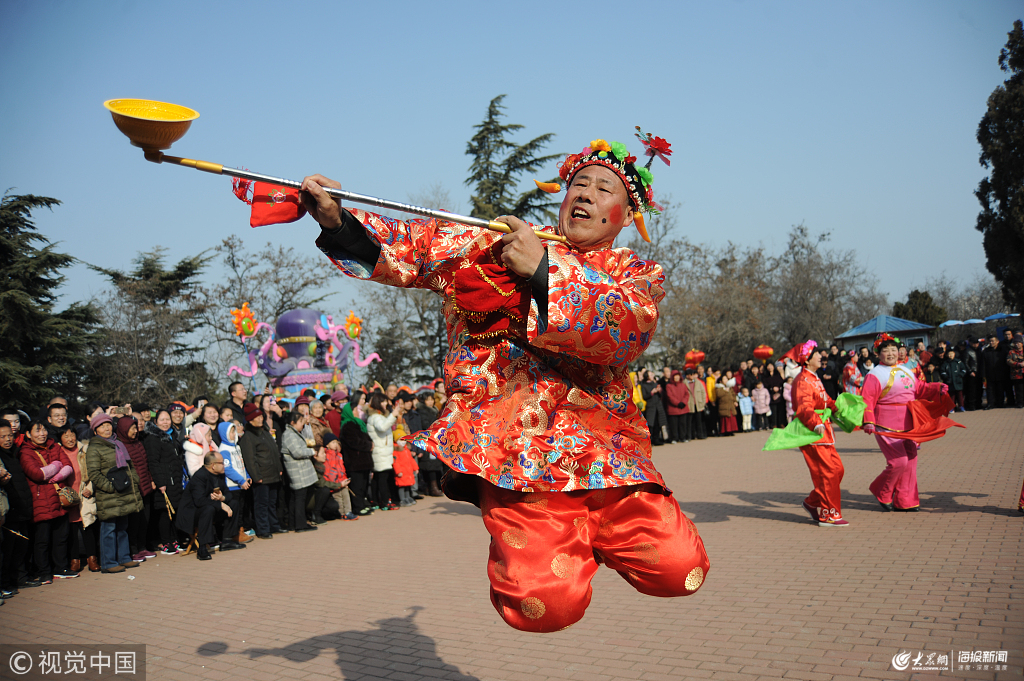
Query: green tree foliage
x: 920, y: 307
x: 1001, y: 136
x: 149, y: 318
x: 499, y: 164
x: 41, y: 351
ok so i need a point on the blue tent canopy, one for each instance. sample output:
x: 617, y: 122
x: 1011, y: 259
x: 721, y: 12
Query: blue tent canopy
x: 884, y: 324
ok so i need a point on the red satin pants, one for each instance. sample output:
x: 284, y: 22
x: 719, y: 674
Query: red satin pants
x: 546, y: 546
x: 826, y: 473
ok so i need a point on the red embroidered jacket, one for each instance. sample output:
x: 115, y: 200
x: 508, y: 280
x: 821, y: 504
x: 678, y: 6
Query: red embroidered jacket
x: 532, y: 407
x: 808, y: 396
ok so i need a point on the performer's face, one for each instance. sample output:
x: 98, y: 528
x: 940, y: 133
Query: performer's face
x: 595, y: 209
x: 889, y: 355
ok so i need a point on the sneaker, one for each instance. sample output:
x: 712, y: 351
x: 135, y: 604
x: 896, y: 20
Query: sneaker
x: 131, y: 564
x: 833, y: 522
x: 810, y: 511
x: 392, y: 507
x: 350, y: 516
x: 65, y: 574
x: 29, y: 583
x: 214, y: 547
x: 148, y: 554
x: 170, y: 549
x: 251, y: 533
x: 139, y: 557
x: 368, y: 510
x: 43, y: 581
x: 8, y: 593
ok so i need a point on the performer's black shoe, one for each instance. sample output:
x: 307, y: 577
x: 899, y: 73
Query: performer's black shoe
x: 913, y: 509
x: 888, y: 508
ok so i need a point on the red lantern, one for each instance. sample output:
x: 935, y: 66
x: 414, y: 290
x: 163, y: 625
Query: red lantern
x: 693, y: 358
x: 763, y: 352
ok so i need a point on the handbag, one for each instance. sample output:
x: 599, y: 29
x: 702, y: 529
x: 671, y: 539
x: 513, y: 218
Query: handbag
x: 119, y: 478
x: 66, y: 495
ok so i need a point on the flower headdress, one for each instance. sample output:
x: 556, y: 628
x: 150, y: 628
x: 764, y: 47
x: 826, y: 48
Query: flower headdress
x: 883, y: 337
x: 616, y: 157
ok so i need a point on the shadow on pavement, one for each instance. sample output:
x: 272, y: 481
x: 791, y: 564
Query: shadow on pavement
x: 786, y: 506
x: 396, y: 645
x: 455, y: 508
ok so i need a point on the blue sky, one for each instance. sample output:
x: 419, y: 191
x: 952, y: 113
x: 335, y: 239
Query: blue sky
x: 855, y: 118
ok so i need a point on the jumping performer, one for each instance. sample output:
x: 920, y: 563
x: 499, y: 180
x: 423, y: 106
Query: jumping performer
x: 540, y: 426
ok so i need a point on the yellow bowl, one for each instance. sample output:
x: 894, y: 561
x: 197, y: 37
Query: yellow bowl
x: 149, y: 124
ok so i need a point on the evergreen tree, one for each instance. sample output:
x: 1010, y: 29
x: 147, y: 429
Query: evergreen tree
x: 1001, y: 136
x: 920, y: 307
x: 499, y: 164
x: 147, y: 351
x: 41, y: 351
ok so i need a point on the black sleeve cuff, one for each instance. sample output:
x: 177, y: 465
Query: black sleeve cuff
x: 350, y: 239
x: 539, y: 287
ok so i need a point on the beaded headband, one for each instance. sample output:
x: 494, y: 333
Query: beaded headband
x: 616, y: 157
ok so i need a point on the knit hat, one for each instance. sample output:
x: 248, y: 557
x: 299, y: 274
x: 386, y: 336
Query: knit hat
x: 302, y: 399
x: 251, y: 411
x: 99, y: 420
x: 328, y: 438
x: 339, y: 395
x: 176, y: 406
x: 1018, y: 338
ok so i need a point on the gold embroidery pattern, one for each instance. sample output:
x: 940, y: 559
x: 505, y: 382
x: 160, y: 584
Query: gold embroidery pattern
x: 500, y: 571
x: 493, y: 285
x: 533, y: 607
x: 562, y: 566
x: 648, y: 553
x: 515, y: 538
x: 694, y: 579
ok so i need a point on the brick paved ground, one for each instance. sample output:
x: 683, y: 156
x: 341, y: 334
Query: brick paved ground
x: 403, y: 595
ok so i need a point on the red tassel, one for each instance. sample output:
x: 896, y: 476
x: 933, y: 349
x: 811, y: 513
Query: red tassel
x: 242, y: 188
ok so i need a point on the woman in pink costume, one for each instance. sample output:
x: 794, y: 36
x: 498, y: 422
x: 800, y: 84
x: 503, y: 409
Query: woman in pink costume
x: 887, y: 390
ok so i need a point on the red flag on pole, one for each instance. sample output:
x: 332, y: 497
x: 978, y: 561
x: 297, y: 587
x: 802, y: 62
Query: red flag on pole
x: 271, y: 203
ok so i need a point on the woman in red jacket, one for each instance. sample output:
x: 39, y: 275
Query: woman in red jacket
x: 677, y: 397
x: 47, y: 468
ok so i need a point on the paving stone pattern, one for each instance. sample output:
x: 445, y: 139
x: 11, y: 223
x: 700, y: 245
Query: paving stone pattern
x: 402, y: 595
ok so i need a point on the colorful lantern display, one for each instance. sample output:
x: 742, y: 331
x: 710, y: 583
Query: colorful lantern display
x: 763, y: 352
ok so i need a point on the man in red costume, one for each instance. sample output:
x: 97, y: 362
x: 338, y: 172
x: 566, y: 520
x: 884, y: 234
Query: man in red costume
x: 540, y: 427
x: 809, y: 398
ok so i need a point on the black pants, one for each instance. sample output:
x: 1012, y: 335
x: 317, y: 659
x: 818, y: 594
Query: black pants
x: 15, y: 553
x: 972, y: 393
x: 138, y: 525
x: 995, y: 392
x: 208, y: 514
x: 84, y: 541
x: 358, y: 487
x: 318, y: 497
x: 298, y: 508
x: 675, y: 427
x: 51, y: 542
x: 1018, y: 393
x: 382, y: 487
x: 265, y: 507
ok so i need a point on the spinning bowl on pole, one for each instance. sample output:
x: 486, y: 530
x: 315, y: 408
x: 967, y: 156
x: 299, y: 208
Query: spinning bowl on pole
x: 154, y: 126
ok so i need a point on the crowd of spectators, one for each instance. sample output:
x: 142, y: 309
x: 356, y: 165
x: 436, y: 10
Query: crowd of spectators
x: 700, y: 401
x: 128, y: 483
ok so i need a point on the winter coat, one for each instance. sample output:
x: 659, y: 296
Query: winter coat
x: 413, y: 423
x: 87, y: 507
x: 297, y: 459
x: 746, y: 405
x: 726, y: 402
x: 427, y: 415
x: 405, y: 468
x: 259, y: 450
x: 379, y: 429
x: 319, y: 429
x: 137, y: 451
x: 100, y: 459
x: 677, y: 397
x: 74, y: 481
x: 45, y: 502
x: 696, y: 395
x: 994, y: 365
x: 356, y: 449
x: 197, y: 496
x: 165, y: 455
x: 953, y: 372
x: 971, y: 360
x: 1015, y: 360
x: 762, y: 400
x: 771, y: 382
x: 19, y: 494
x: 234, y: 465
x: 787, y: 395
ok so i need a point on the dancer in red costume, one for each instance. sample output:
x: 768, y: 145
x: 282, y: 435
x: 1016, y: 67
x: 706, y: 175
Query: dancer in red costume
x: 539, y: 428
x: 888, y: 390
x: 809, y: 397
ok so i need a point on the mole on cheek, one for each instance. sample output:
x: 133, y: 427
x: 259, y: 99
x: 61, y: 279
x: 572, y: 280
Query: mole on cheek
x: 615, y: 214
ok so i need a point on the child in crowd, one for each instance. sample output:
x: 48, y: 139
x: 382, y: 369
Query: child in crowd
x: 406, y: 469
x: 762, y: 406
x: 746, y: 409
